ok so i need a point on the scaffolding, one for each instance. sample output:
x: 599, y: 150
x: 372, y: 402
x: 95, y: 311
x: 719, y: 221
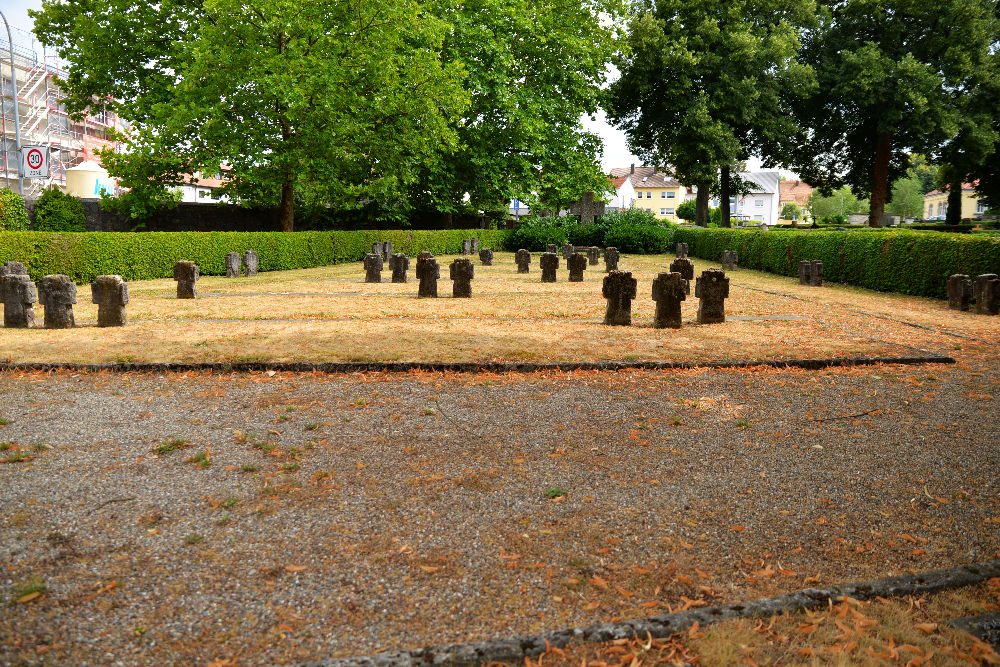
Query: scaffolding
x: 43, y: 117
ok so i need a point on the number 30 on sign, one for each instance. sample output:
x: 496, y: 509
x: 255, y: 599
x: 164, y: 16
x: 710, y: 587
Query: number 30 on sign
x: 35, y: 161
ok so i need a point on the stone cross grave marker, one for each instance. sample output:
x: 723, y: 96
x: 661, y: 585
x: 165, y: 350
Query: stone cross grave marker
x: 398, y: 264
x: 252, y: 262
x: 186, y: 274
x: 57, y: 294
x: 523, y: 259
x: 959, y: 291
x: 986, y: 291
x: 234, y: 264
x: 19, y: 297
x: 12, y: 268
x: 816, y: 275
x: 669, y: 289
x: 593, y: 255
x: 475, y: 245
x: 550, y: 247
x: 681, y: 250
x: 567, y: 251
x: 729, y: 260
x: 428, y: 272
x: 712, y: 288
x: 549, y: 263
x: 486, y: 256
x: 611, y: 257
x: 110, y: 293
x: 619, y: 289
x: 576, y: 264
x: 461, y: 272
x: 386, y: 250
x: 373, y: 267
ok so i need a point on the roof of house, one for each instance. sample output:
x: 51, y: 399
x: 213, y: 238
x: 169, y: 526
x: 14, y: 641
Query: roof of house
x: 966, y: 187
x: 618, y: 181
x: 796, y: 191
x: 767, y: 181
x: 645, y: 177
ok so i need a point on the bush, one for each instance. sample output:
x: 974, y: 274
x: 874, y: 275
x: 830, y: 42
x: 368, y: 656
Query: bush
x: 901, y: 261
x: 535, y: 234
x: 13, y: 215
x: 632, y: 230
x: 148, y: 255
x: 57, y: 211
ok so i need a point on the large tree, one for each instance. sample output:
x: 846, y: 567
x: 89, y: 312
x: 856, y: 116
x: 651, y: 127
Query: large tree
x: 894, y: 76
x: 344, y: 100
x: 701, y: 86
x: 534, y: 68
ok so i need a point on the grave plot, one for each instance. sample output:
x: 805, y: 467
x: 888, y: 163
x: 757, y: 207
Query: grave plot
x: 331, y: 314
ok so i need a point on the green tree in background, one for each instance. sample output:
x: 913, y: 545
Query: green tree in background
x: 343, y: 99
x: 687, y: 211
x: 701, y: 86
x: 894, y: 76
x: 836, y: 206
x: 907, y: 198
x: 533, y: 69
x: 791, y: 211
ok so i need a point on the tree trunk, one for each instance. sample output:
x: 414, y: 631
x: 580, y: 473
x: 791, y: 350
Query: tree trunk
x: 287, y: 206
x: 954, y: 214
x: 724, y: 197
x: 701, y: 204
x: 880, y: 182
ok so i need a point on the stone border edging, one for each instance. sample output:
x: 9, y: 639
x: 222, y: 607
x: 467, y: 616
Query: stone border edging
x: 515, y: 650
x: 466, y: 367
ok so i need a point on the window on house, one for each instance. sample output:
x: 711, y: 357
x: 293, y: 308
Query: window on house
x: 663, y: 194
x: 663, y: 211
x: 759, y: 203
x: 980, y: 207
x: 649, y: 195
x: 668, y: 211
x: 671, y: 195
x: 759, y: 218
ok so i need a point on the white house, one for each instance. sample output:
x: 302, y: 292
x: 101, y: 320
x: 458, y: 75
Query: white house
x: 760, y: 205
x: 624, y: 193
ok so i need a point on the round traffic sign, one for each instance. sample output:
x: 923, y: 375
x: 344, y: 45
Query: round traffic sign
x: 35, y: 158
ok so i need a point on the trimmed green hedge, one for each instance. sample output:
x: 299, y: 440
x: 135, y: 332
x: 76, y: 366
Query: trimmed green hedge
x: 148, y: 255
x: 892, y: 261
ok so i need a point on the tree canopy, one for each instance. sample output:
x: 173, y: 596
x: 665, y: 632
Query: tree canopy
x: 894, y: 76
x: 385, y: 102
x: 701, y: 86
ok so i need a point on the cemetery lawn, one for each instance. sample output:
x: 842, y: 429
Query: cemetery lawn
x: 274, y: 518
x: 330, y: 314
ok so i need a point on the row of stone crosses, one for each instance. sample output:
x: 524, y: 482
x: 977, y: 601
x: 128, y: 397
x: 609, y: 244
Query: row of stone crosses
x: 57, y: 293
x: 619, y: 287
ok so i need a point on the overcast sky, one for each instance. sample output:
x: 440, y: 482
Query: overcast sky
x: 616, y: 153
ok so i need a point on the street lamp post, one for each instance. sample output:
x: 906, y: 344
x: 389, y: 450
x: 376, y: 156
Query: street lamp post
x: 17, y: 120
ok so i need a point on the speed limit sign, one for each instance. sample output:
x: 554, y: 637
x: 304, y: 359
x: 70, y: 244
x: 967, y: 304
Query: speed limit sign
x: 35, y: 161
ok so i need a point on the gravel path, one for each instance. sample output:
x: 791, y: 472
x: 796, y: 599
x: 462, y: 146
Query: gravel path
x: 339, y: 515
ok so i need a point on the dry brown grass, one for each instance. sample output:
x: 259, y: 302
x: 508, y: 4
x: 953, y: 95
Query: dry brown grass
x: 329, y: 314
x: 911, y: 631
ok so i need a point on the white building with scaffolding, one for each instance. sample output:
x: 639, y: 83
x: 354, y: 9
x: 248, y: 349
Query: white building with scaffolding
x: 43, y: 118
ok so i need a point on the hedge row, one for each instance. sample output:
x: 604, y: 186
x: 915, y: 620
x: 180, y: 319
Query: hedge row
x: 148, y: 255
x: 897, y: 261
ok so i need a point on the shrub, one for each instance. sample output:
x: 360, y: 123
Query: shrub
x: 13, y: 215
x: 57, y: 211
x: 148, y: 255
x: 639, y: 239
x: 633, y: 216
x: 688, y: 211
x: 534, y: 235
x: 887, y: 260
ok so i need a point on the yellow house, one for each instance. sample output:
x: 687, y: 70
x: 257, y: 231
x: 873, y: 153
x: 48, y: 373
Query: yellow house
x: 936, y: 204
x: 654, y: 191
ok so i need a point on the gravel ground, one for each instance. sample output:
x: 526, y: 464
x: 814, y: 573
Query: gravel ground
x: 301, y: 516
